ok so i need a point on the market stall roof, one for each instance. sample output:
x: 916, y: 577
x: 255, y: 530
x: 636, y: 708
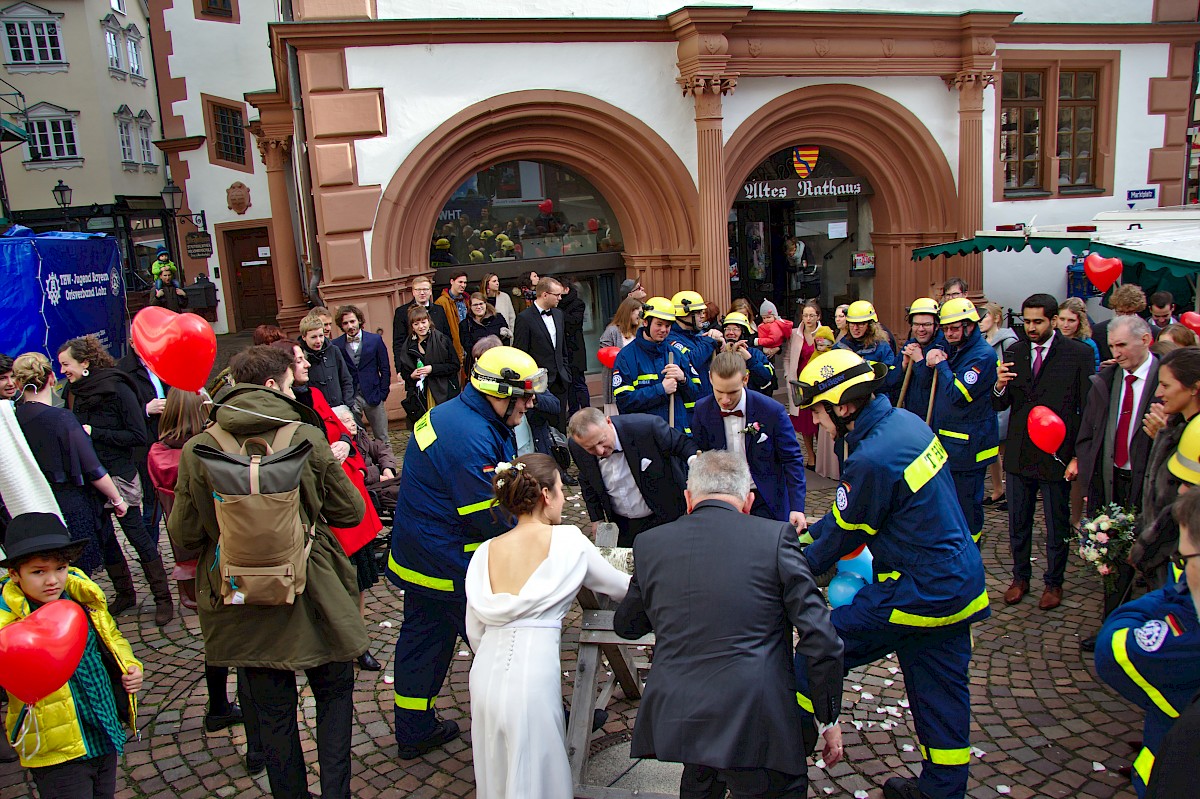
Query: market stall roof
x: 1158, y: 238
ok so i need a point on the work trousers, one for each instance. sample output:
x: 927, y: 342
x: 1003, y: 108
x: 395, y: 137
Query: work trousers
x: 93, y: 778
x: 968, y: 485
x: 705, y: 782
x: 1056, y: 505
x: 272, y: 697
x: 431, y: 628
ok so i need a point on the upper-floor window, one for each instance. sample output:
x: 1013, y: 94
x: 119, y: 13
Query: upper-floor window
x: 33, y: 39
x: 125, y: 131
x: 52, y: 139
x: 147, y: 146
x: 118, y: 5
x: 217, y: 8
x: 1056, y: 124
x: 113, y: 42
x: 134, y: 48
x: 230, y: 133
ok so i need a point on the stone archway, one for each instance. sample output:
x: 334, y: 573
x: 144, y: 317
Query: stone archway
x: 873, y: 134
x: 648, y: 187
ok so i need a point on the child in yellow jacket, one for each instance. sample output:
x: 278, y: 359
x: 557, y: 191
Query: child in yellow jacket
x: 71, y: 739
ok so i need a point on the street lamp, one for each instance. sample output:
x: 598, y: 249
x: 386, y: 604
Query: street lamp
x: 172, y: 197
x: 62, y: 196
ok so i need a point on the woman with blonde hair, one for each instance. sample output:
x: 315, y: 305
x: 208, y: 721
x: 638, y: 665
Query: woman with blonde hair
x: 1073, y: 323
x: 489, y: 287
x: 64, y: 452
x: 620, y: 331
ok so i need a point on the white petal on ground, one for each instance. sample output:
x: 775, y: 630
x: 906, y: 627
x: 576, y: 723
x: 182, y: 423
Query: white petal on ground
x: 1004, y: 789
x: 1098, y: 766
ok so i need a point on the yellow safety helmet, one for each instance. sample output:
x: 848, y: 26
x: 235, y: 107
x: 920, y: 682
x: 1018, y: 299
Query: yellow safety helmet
x: 738, y: 318
x: 476, y: 256
x: 924, y: 305
x: 442, y: 244
x: 1185, y: 463
x: 659, y: 308
x: 486, y: 234
x: 687, y: 302
x: 508, y: 244
x: 836, y: 377
x: 508, y: 372
x: 501, y: 238
x: 959, y: 309
x: 861, y: 311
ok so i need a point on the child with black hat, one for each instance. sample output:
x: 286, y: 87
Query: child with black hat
x: 72, y: 738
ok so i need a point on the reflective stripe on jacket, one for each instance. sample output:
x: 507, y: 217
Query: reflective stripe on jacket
x: 637, y: 382
x: 963, y: 416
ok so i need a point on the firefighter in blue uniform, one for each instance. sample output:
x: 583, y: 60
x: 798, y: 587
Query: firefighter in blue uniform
x: 644, y: 382
x: 963, y: 417
x: 896, y: 496
x: 687, y: 338
x: 924, y: 336
x: 866, y: 337
x: 738, y: 331
x: 1149, y: 650
x: 443, y: 514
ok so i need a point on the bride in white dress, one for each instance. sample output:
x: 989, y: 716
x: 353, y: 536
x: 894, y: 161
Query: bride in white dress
x: 519, y: 587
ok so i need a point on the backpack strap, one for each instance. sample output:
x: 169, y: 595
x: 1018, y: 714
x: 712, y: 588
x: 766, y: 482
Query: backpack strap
x: 283, y: 436
x: 224, y: 439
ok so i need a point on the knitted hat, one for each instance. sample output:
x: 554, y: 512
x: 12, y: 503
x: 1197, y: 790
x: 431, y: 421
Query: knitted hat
x: 768, y: 307
x: 825, y: 332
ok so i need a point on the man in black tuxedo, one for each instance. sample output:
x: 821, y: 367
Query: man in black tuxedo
x: 632, y: 468
x: 422, y: 289
x: 722, y: 591
x: 1112, y: 449
x: 541, y: 331
x: 1051, y: 370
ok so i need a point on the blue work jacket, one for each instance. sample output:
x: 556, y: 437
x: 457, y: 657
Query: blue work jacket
x: 963, y: 416
x: 917, y: 398
x: 445, y: 507
x: 637, y: 382
x: 699, y: 349
x: 897, y: 497
x: 878, y: 353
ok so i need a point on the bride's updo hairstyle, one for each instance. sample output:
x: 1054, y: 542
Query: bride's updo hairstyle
x: 518, y: 485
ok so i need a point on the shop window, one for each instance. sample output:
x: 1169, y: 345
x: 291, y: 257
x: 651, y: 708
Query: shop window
x: 225, y: 127
x: 217, y: 10
x: 1055, y: 126
x: 32, y: 39
x: 543, y: 210
x: 52, y: 137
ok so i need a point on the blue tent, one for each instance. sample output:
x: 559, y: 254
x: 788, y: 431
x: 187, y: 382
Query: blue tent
x: 57, y: 286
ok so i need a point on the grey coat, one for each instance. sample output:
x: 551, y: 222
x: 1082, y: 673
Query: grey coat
x: 1158, y: 534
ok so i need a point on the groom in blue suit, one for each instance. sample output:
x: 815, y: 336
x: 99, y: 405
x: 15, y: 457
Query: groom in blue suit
x: 757, y: 426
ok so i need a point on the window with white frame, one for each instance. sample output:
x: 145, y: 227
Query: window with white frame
x: 145, y: 124
x: 32, y: 39
x: 125, y: 130
x: 134, y: 48
x: 147, y: 146
x: 113, y: 42
x: 118, y: 5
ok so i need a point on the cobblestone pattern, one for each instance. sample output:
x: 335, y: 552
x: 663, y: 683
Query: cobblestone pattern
x: 1043, y: 726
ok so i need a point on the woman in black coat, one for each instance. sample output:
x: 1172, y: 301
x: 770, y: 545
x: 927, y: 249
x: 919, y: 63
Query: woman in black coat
x: 480, y: 322
x: 104, y: 399
x: 428, y: 358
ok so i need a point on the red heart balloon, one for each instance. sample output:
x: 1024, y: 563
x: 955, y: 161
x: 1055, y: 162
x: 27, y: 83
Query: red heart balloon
x: 608, y: 356
x: 39, y: 653
x: 178, y: 347
x: 1103, y: 272
x: 546, y: 206
x: 1191, y: 320
x: 1046, y: 429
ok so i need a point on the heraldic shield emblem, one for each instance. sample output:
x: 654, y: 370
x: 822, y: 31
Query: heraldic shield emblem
x: 804, y: 159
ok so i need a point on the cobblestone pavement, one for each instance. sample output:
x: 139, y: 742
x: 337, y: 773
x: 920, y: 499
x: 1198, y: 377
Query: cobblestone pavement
x: 1043, y: 726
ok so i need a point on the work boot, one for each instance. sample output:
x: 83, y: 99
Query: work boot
x: 160, y: 587
x: 445, y: 732
x: 122, y: 582
x: 902, y: 788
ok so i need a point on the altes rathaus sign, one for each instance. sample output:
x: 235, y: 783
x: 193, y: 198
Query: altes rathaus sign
x: 760, y: 190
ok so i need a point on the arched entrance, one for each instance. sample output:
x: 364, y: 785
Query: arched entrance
x: 915, y: 198
x: 650, y: 190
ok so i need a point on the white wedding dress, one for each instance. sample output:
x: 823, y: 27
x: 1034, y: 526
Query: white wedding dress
x: 518, y: 733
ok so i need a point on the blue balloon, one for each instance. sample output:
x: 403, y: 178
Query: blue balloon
x: 859, y: 566
x: 842, y: 589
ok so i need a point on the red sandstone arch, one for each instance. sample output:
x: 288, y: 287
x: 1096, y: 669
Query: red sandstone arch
x: 915, y: 199
x: 649, y: 189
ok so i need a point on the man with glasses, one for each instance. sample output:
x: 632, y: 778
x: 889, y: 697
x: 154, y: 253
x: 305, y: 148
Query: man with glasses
x: 422, y: 291
x: 924, y: 336
x: 953, y: 289
x: 1149, y: 649
x: 963, y: 417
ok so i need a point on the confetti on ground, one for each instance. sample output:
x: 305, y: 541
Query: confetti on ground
x: 577, y: 504
x: 975, y: 750
x: 388, y: 679
x: 462, y: 653
x: 1098, y: 766
x: 857, y: 725
x: 893, y: 669
x: 385, y: 624
x: 860, y: 795
x: 855, y: 687
x: 885, y: 726
x: 868, y: 696
x: 907, y: 748
x: 820, y: 764
x: 889, y: 683
x: 1004, y: 789
x: 891, y: 656
x: 903, y: 703
x: 827, y: 789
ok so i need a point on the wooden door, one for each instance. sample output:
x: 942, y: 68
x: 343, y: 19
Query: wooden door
x: 250, y: 252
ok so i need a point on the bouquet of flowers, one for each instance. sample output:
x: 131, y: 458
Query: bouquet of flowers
x: 1105, y: 541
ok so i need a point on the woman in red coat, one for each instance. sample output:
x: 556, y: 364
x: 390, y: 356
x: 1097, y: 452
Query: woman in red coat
x: 353, y: 539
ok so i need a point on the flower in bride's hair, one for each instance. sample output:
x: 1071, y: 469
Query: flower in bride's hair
x: 500, y: 483
x: 502, y: 467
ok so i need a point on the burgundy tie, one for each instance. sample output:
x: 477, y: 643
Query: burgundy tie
x: 1122, y: 453
x: 731, y: 413
x: 1037, y: 359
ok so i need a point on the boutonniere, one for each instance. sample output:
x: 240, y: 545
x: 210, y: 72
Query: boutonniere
x: 754, y: 431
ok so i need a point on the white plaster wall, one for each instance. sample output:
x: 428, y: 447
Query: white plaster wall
x: 1040, y: 11
x: 440, y: 81
x: 223, y: 60
x: 927, y: 98
x: 1010, y: 277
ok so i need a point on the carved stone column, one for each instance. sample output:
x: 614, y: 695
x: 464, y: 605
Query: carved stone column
x: 276, y: 156
x: 707, y: 90
x: 971, y: 86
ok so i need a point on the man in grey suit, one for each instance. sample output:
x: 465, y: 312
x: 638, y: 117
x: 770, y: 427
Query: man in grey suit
x: 722, y: 591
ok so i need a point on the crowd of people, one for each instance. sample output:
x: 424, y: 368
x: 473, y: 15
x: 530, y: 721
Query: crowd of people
x: 275, y: 486
x: 462, y: 241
